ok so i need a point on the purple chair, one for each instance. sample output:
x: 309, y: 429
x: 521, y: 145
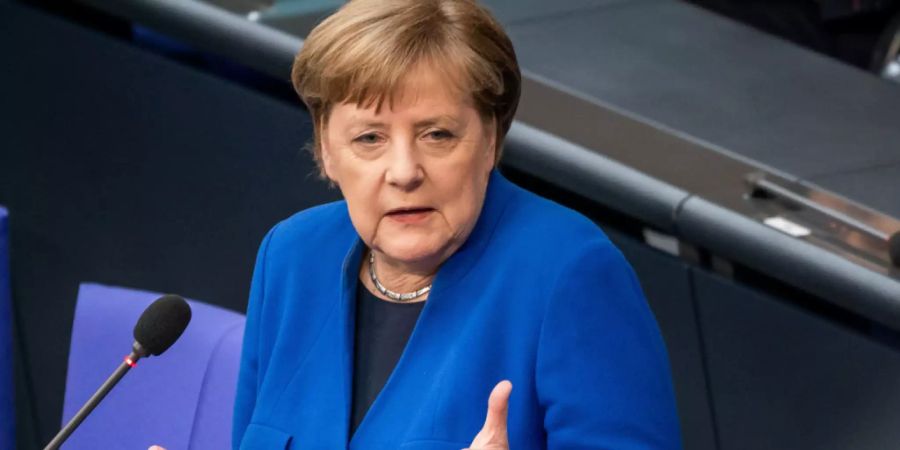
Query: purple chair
x: 181, y: 399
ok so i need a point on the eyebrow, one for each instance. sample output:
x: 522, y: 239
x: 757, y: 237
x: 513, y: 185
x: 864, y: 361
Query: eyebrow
x: 435, y: 120
x: 366, y: 124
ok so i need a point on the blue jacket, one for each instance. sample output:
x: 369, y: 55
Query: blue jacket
x: 537, y: 295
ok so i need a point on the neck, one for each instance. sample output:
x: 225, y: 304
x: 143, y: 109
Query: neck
x: 396, y: 276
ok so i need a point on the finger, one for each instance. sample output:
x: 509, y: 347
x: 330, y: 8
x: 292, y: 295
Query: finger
x: 498, y: 406
x: 155, y: 447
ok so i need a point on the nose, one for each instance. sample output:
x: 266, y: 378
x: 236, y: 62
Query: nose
x: 404, y: 169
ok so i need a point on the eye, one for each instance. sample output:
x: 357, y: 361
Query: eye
x: 368, y: 139
x: 439, y: 135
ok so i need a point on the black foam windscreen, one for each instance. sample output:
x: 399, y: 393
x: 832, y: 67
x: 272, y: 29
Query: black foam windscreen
x: 162, y: 323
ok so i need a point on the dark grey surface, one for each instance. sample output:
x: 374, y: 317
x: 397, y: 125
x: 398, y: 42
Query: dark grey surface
x: 741, y: 91
x: 120, y: 166
x: 516, y: 11
x: 781, y: 378
x: 667, y: 286
x: 696, y: 104
x: 880, y: 185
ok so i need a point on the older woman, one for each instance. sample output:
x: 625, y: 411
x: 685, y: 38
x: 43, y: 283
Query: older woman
x: 390, y: 320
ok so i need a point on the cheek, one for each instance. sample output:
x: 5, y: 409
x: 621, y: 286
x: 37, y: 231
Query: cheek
x: 464, y: 202
x: 361, y: 196
x: 464, y: 183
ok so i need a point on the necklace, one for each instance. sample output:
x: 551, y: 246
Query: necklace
x: 395, y: 296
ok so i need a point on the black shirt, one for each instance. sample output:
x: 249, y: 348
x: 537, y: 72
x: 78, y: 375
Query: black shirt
x: 382, y: 329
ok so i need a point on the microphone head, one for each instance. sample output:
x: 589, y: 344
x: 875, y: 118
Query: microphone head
x: 162, y: 323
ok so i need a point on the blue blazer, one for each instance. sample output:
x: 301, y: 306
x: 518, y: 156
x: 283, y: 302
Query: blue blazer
x: 537, y: 295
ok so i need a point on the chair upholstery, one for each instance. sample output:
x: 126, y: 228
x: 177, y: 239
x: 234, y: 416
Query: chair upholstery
x: 181, y: 399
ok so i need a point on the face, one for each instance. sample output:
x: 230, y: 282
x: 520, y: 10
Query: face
x: 414, y: 174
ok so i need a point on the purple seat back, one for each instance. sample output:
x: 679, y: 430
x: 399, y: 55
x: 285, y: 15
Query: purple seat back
x: 181, y: 399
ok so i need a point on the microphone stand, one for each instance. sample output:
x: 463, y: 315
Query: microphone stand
x: 131, y: 360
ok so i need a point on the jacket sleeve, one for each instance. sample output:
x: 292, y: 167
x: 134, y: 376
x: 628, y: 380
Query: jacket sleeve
x: 248, y: 376
x: 602, y: 372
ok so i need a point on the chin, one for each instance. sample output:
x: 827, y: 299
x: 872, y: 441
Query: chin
x: 413, y: 252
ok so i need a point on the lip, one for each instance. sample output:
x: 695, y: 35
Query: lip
x: 410, y: 214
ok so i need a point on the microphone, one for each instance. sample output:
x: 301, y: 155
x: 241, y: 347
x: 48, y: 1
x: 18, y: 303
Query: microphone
x: 159, y: 326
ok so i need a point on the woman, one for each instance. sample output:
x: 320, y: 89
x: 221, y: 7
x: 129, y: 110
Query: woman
x: 387, y: 320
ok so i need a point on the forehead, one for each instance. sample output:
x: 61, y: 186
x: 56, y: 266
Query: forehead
x: 423, y: 89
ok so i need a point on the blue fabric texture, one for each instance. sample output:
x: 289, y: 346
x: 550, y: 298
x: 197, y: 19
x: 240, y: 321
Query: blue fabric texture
x: 7, y: 401
x: 537, y: 295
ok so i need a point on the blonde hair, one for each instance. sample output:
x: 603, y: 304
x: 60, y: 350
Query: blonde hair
x: 362, y: 52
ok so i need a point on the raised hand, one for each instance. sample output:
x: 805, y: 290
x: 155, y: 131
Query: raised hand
x: 493, y: 435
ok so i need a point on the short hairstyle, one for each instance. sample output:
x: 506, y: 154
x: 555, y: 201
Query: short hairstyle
x: 361, y: 53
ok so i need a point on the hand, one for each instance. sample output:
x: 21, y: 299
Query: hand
x: 155, y: 447
x: 493, y: 434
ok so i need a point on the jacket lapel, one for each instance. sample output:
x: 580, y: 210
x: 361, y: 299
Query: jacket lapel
x: 413, y: 385
x: 346, y: 318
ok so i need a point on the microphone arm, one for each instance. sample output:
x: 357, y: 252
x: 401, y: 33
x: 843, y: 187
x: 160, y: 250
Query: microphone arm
x: 131, y: 360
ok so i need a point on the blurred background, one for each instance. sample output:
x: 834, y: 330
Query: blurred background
x: 745, y: 155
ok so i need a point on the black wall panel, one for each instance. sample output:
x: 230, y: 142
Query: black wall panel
x: 781, y: 378
x: 119, y: 166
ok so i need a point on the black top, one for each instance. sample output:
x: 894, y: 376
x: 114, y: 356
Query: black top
x: 382, y: 329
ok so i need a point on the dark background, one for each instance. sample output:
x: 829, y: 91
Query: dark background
x: 120, y: 166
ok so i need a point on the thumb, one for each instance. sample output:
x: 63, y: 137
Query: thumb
x: 498, y: 407
x: 493, y: 434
